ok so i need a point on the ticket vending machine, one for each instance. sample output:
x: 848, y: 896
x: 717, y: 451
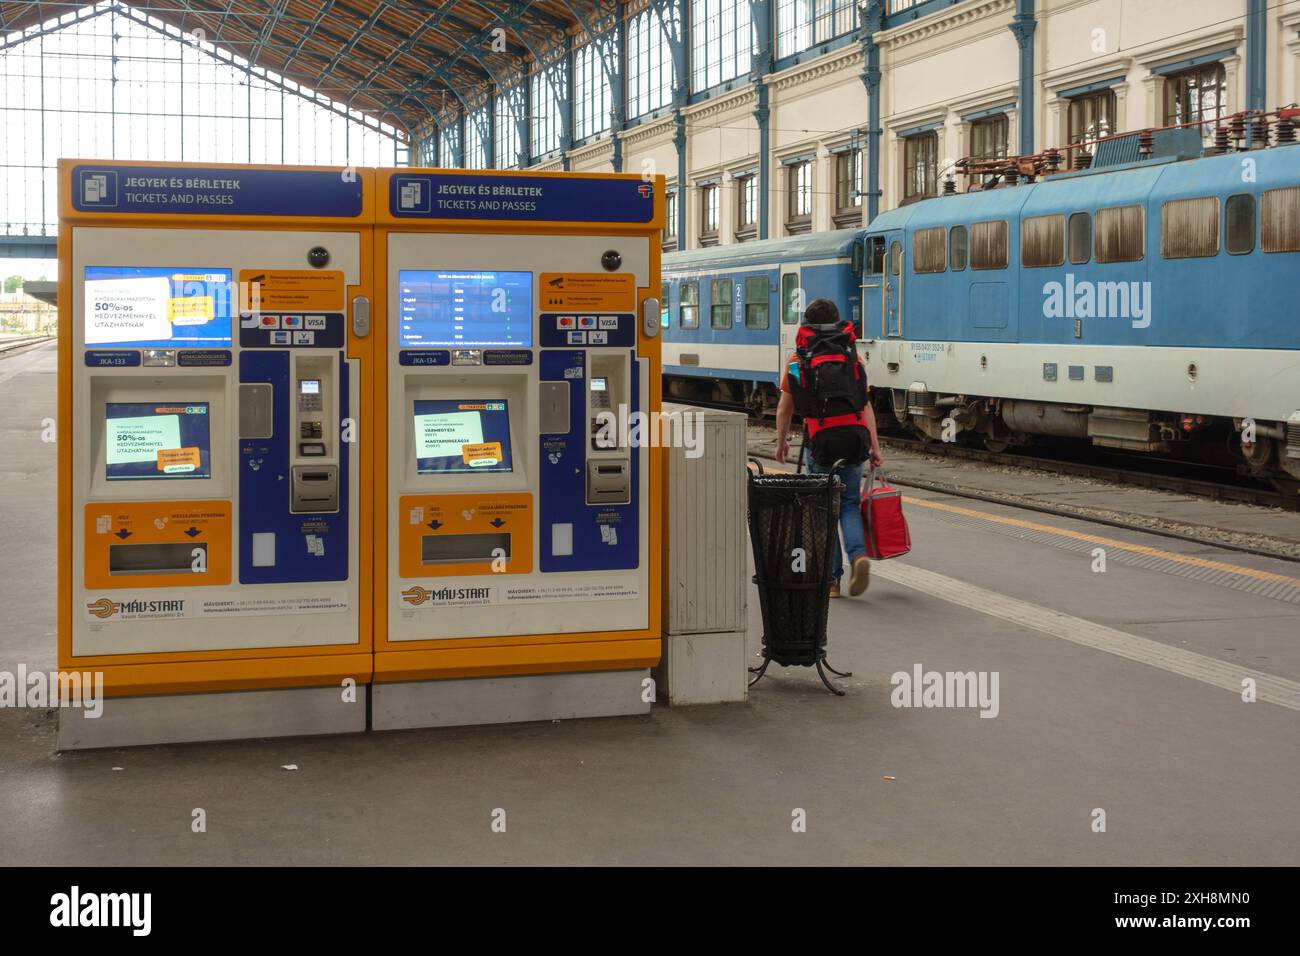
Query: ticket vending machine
x: 518, y: 524
x: 214, y: 493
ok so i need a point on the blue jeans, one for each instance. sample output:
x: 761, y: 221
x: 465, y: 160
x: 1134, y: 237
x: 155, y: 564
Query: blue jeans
x: 850, y: 515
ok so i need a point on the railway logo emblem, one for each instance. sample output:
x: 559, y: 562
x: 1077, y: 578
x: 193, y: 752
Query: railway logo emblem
x: 103, y: 608
x: 645, y: 190
x: 416, y: 595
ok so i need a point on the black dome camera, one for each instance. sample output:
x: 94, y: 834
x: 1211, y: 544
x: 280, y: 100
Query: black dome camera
x: 318, y: 257
x: 611, y: 260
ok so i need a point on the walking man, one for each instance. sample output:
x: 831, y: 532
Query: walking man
x: 825, y: 383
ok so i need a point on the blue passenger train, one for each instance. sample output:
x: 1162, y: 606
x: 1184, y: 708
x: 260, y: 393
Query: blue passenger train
x: 1148, y: 303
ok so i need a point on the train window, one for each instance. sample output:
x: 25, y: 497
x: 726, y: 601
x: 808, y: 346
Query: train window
x: 875, y: 255
x: 665, y: 292
x: 757, y: 291
x: 690, y: 317
x: 1239, y: 224
x: 1189, y: 228
x: 1042, y: 241
x: 895, y: 258
x: 720, y: 305
x: 1121, y: 234
x: 1282, y: 220
x: 957, y: 248
x: 989, y: 242
x: 929, y: 252
x: 1080, y: 238
x: 790, y: 299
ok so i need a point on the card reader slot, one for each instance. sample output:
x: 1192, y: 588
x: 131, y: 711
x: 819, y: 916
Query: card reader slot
x: 154, y: 558
x: 463, y: 548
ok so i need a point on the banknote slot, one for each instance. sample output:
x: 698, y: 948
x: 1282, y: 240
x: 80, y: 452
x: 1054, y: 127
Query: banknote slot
x: 608, y: 481
x: 315, y: 488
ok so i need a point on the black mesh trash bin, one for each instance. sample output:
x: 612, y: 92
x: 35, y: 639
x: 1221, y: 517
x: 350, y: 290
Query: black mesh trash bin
x: 793, y: 534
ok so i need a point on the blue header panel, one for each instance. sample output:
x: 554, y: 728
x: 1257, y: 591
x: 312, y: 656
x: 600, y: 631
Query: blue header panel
x: 528, y: 198
x: 214, y: 191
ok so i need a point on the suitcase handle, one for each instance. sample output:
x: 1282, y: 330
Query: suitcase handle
x: 872, y: 475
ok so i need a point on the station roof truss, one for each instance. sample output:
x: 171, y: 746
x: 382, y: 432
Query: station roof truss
x: 413, y: 63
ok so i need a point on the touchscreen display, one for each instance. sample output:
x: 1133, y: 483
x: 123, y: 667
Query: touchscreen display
x: 146, y: 440
x: 459, y: 435
x: 465, y: 309
x: 156, y: 307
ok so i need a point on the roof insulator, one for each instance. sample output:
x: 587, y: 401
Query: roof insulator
x: 1259, y: 133
x: 1238, y: 127
x: 1284, y: 131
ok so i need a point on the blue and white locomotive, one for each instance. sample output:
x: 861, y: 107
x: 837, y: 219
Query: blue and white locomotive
x: 1146, y: 303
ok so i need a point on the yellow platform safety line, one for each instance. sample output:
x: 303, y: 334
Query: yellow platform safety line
x: 1106, y: 542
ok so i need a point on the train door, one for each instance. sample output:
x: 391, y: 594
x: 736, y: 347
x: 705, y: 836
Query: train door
x: 893, y: 284
x: 792, y: 306
x: 873, y: 279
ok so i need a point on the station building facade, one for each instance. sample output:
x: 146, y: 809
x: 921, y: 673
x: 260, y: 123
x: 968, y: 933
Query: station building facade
x: 842, y: 110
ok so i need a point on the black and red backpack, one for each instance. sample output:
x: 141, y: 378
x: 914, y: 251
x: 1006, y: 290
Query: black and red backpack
x: 829, y: 388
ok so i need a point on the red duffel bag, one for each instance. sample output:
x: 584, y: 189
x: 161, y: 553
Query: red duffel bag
x: 883, y: 525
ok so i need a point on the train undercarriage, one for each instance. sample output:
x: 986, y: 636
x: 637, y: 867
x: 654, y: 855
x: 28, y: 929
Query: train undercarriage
x: 1268, y: 450
x: 757, y: 399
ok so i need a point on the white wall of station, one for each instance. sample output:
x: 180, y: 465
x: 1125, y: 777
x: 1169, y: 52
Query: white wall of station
x: 940, y: 68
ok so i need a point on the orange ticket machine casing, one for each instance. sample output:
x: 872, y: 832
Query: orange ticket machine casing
x: 512, y: 536
x: 215, y: 384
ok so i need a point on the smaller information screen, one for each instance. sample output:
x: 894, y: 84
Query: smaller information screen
x: 465, y: 309
x: 149, y: 440
x: 156, y: 307
x: 459, y: 435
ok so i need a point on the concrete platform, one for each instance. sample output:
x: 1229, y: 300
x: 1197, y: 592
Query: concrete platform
x: 1115, y: 693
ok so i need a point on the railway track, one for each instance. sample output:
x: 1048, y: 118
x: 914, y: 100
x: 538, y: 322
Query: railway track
x: 1155, y: 473
x: 1262, y: 546
x: 12, y: 346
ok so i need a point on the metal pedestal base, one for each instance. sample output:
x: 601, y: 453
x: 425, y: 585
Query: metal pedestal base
x: 461, y: 702
x: 821, y: 662
x: 228, y: 715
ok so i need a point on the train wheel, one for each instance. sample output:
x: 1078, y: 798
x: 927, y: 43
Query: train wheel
x: 996, y: 446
